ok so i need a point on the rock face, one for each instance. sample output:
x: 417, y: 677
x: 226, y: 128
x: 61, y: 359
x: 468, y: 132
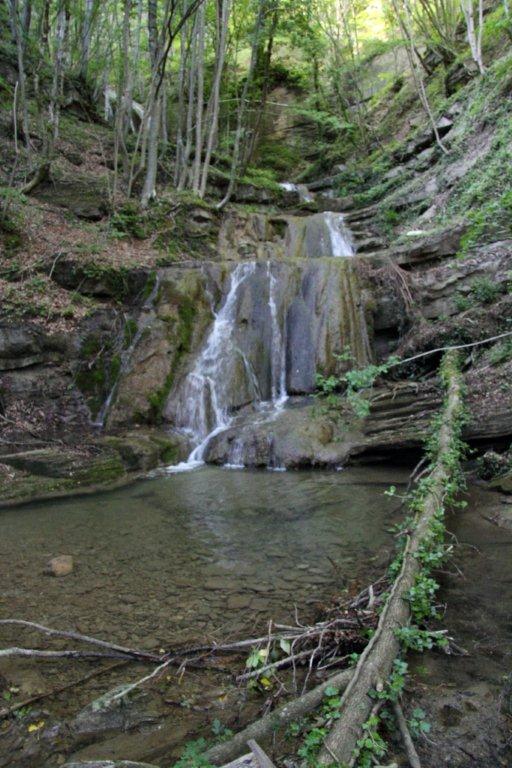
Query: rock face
x: 170, y: 327
x: 280, y: 323
x: 429, y: 246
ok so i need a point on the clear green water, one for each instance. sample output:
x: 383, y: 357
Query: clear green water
x: 206, y: 555
x: 211, y: 551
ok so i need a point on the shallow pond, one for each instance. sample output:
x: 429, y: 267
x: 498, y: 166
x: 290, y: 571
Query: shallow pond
x: 197, y: 553
x: 210, y: 554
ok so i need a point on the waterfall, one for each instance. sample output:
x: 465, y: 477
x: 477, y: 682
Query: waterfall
x: 278, y: 324
x: 305, y: 196
x: 322, y: 235
x: 278, y: 345
x: 341, y: 237
x: 203, y: 401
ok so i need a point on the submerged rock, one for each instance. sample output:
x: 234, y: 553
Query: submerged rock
x: 62, y: 565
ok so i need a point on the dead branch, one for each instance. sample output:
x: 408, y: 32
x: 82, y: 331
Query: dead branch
x: 36, y: 653
x: 5, y: 713
x: 412, y: 755
x: 121, y: 650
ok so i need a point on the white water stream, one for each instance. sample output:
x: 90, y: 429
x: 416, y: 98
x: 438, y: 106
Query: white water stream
x: 203, y: 405
x: 342, y: 243
x: 204, y: 401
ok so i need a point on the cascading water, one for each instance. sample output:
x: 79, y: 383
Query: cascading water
x: 279, y: 323
x: 203, y: 402
x: 278, y: 351
x: 305, y: 196
x: 319, y: 236
x: 342, y: 243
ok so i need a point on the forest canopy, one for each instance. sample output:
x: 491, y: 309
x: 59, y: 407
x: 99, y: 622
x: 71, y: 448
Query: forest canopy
x: 185, y: 84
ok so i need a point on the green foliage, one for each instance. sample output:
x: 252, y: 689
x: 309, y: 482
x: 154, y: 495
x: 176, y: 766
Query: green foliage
x: 355, y: 382
x: 192, y: 756
x: 129, y: 220
x: 462, y: 302
x: 484, y: 290
x: 418, y: 724
x: 500, y: 353
x: 220, y: 731
x: 371, y: 747
x: 314, y: 730
x: 390, y: 218
x: 415, y: 639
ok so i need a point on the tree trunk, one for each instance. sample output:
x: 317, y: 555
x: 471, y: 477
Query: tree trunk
x: 21, y: 106
x: 270, y: 723
x: 213, y: 111
x: 243, y: 107
x: 86, y: 37
x: 196, y: 172
x: 124, y: 100
x: 58, y: 72
x: 474, y: 35
x: 376, y: 661
x: 149, y: 189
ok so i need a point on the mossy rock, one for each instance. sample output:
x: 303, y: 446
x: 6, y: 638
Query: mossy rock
x: 145, y: 450
x: 48, y: 478
x: 503, y: 483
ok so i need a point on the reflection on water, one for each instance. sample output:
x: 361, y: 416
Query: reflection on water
x: 178, y: 557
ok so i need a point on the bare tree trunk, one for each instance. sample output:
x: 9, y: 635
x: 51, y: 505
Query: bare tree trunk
x: 159, y: 52
x: 376, y: 661
x: 474, y: 34
x: 213, y: 109
x: 21, y: 91
x: 406, y: 27
x: 86, y: 37
x: 58, y: 72
x: 190, y: 116
x: 184, y: 49
x: 45, y: 25
x: 124, y: 102
x: 243, y: 107
x: 149, y: 189
x: 196, y: 172
x: 27, y: 18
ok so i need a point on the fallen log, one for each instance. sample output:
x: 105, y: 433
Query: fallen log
x: 273, y: 721
x: 376, y: 661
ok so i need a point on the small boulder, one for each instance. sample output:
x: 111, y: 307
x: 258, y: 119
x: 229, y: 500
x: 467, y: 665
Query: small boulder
x: 62, y: 565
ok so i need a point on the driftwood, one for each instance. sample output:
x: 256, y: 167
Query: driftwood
x: 120, y: 650
x: 35, y: 653
x: 262, y: 759
x: 376, y: 661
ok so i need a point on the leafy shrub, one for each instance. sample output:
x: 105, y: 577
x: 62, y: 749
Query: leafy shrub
x: 484, y: 290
